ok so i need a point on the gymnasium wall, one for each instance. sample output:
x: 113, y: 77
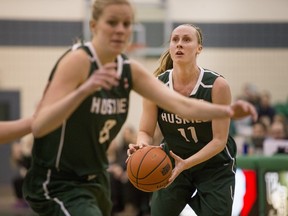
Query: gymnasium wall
x: 245, y: 40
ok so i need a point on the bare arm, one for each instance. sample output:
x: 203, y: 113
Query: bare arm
x: 11, y: 130
x: 149, y: 87
x: 158, y: 136
x: 148, y: 123
x: 149, y: 131
x: 68, y: 89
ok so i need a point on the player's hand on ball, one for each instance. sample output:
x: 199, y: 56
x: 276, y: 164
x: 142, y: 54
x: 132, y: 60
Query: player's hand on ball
x: 149, y: 168
x: 180, y: 165
x: 243, y: 109
x: 133, y: 148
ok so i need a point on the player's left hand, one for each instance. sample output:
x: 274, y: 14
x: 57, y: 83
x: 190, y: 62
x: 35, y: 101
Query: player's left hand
x: 243, y: 109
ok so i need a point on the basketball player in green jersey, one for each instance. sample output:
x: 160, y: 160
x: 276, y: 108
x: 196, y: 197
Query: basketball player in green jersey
x: 203, y: 152
x: 84, y: 107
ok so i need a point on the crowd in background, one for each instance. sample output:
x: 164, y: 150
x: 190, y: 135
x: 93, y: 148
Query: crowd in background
x: 271, y: 124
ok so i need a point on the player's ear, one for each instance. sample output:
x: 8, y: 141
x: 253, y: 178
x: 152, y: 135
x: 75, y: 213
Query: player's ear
x: 200, y: 47
x: 92, y: 25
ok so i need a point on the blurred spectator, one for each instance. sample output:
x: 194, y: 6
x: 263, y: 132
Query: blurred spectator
x: 265, y: 120
x: 280, y: 118
x: 255, y: 142
x: 265, y: 107
x: 243, y: 127
x: 127, y: 200
x: 278, y: 130
x: 250, y: 93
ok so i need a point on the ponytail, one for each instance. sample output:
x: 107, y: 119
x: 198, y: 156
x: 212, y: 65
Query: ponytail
x: 166, y: 63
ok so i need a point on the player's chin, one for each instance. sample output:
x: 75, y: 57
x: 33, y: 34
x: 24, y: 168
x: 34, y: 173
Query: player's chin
x: 117, y: 48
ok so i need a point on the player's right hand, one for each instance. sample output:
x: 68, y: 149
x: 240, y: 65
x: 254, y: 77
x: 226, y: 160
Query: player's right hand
x: 104, y: 78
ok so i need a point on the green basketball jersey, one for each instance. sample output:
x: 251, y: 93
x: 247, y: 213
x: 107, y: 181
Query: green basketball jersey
x: 186, y: 137
x: 79, y: 145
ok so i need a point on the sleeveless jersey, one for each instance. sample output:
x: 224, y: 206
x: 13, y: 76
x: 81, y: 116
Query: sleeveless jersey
x: 186, y: 137
x: 79, y: 145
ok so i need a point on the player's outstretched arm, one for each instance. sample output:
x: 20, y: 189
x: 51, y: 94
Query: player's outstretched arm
x: 192, y: 109
x: 11, y: 130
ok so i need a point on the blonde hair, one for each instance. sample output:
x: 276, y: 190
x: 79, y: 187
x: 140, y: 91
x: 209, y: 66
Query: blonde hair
x: 166, y: 61
x: 99, y: 6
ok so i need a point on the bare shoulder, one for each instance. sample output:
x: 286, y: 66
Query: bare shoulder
x: 221, y: 84
x: 76, y: 57
x: 221, y: 92
x: 74, y: 64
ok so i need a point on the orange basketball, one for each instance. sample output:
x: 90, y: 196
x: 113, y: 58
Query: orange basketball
x: 149, y: 168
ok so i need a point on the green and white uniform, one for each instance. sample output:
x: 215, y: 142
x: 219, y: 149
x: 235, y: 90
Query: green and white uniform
x: 68, y: 174
x: 214, y: 179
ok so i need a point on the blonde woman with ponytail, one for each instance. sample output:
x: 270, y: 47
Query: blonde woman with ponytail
x: 202, y: 151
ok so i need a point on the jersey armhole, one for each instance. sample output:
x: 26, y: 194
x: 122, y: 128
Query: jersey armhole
x: 93, y: 65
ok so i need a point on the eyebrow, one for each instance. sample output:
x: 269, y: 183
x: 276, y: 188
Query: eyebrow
x: 181, y: 35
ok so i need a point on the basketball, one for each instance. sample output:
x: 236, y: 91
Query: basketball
x: 149, y: 168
